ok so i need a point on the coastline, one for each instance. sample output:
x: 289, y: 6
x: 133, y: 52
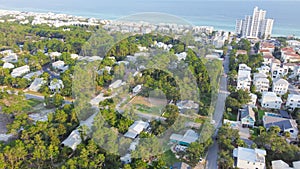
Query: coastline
x: 222, y: 25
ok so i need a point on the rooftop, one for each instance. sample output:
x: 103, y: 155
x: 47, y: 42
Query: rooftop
x: 30, y: 75
x: 250, y: 155
x: 244, y: 67
x: 56, y: 84
x: 270, y: 96
x: 248, y: 112
x: 280, y: 81
x: 294, y: 96
x: 259, y: 75
x: 116, y: 84
x: 73, y: 140
x: 136, y: 128
x: 287, y: 49
x: 20, y: 70
x: 267, y: 45
x: 279, y: 164
x: 241, y: 52
x: 283, y: 123
x: 7, y: 65
x: 189, y: 137
x: 284, y: 114
x: 36, y: 84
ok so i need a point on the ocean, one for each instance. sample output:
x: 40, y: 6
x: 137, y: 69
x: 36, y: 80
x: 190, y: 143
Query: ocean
x: 221, y: 14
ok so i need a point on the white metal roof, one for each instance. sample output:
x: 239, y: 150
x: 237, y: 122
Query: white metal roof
x: 250, y: 155
x: 73, y: 140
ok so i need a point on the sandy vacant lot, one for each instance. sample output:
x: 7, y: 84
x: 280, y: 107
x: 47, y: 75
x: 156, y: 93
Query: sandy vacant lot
x: 150, y: 102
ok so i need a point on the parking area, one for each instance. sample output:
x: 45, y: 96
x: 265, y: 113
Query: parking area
x: 244, y: 132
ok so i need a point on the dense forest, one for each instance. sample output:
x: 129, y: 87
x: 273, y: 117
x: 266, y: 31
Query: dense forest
x: 37, y: 144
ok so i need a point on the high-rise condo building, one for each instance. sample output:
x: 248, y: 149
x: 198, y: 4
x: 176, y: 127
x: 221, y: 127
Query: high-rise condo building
x: 255, y: 26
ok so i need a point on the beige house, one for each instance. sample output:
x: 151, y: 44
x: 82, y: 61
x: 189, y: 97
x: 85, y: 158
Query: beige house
x: 261, y: 82
x: 244, y: 77
x: 280, y: 86
x: 270, y: 100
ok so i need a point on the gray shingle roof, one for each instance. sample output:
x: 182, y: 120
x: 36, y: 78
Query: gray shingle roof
x: 248, y: 112
x: 284, y: 114
x: 277, y: 121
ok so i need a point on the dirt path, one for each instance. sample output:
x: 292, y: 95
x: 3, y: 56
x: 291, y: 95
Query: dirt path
x: 150, y: 102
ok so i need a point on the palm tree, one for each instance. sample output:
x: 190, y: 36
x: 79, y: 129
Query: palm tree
x: 275, y: 129
x: 287, y: 134
x: 240, y: 143
x: 225, y: 160
x: 261, y: 129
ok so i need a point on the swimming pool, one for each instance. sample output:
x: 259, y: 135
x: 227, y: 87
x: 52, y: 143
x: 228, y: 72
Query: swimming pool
x: 233, y: 124
x: 272, y: 114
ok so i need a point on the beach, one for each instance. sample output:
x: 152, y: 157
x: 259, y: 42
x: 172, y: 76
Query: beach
x: 221, y: 15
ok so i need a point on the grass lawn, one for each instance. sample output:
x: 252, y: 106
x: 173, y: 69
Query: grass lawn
x: 199, y: 120
x: 261, y: 113
x: 169, y: 158
x: 34, y: 102
x: 151, y: 110
x: 232, y: 116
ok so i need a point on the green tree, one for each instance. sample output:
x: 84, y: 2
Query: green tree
x: 58, y: 100
x: 225, y: 160
x: 171, y: 112
x: 194, y: 152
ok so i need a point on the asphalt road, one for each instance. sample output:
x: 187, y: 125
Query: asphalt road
x: 33, y: 96
x: 212, y: 155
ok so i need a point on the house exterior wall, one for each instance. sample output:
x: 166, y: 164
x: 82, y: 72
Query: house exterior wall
x: 261, y: 84
x: 280, y: 89
x: 247, y: 121
x: 293, y: 132
x: 271, y: 104
x: 293, y: 102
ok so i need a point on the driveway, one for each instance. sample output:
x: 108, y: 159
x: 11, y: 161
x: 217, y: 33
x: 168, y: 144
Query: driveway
x: 244, y: 132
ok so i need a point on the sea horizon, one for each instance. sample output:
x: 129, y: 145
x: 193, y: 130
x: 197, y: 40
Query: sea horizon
x: 219, y: 19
